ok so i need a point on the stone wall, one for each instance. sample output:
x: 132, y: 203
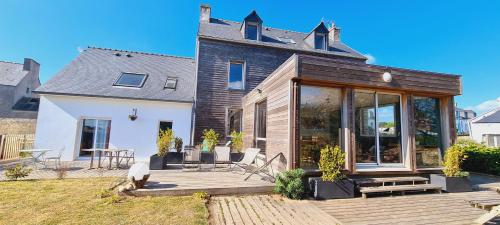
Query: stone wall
x: 17, y: 126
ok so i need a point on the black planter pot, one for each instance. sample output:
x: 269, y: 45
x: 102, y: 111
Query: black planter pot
x: 157, y: 162
x: 174, y: 157
x: 331, y: 190
x: 452, y: 184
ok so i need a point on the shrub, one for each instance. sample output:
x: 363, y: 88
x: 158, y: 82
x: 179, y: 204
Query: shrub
x: 237, y: 140
x: 453, y: 159
x: 165, y: 141
x: 19, y: 171
x: 211, y: 138
x: 178, y: 144
x: 289, y: 184
x: 331, y: 163
x: 201, y: 195
x: 480, y: 158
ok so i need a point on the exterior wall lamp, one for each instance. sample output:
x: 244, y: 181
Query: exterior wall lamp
x: 133, y: 116
x: 387, y: 77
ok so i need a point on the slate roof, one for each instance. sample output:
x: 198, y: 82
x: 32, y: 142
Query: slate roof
x: 95, y: 70
x: 11, y: 73
x: 492, y: 117
x: 230, y: 31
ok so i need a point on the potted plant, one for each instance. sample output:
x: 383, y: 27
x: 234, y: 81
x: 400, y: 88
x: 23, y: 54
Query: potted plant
x: 236, y: 145
x: 164, y: 142
x: 333, y: 182
x: 454, y: 179
x: 210, y: 140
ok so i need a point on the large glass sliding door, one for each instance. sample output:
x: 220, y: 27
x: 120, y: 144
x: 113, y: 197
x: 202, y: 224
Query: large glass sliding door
x: 427, y: 132
x: 377, y: 128
x: 95, y: 134
x: 320, y: 122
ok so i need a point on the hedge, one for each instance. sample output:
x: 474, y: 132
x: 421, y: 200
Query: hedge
x: 481, y: 158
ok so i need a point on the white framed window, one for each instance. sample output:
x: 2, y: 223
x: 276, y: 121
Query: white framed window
x: 236, y: 75
x: 171, y: 83
x: 131, y: 80
x: 320, y: 41
x: 94, y: 134
x: 251, y: 31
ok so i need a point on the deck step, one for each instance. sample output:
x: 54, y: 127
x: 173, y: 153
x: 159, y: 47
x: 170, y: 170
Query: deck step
x: 399, y: 188
x: 382, y: 180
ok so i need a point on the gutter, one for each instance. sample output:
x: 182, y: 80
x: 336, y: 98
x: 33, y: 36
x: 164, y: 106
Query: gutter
x: 111, y: 97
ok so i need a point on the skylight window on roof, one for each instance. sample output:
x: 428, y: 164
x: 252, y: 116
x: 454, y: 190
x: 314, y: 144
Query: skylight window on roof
x: 171, y: 83
x: 286, y: 40
x: 131, y: 80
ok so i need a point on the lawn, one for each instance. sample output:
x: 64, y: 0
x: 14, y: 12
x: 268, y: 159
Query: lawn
x: 75, y: 201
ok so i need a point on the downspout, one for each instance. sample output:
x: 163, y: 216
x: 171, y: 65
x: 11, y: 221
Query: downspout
x: 193, y: 112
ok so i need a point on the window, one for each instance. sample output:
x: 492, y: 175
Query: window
x: 234, y: 119
x: 27, y: 90
x: 320, y: 122
x: 95, y: 134
x: 251, y: 31
x: 492, y: 140
x: 260, y: 124
x: 130, y: 80
x: 236, y: 75
x: 427, y: 125
x: 164, y: 125
x: 320, y: 41
x: 377, y: 127
x: 171, y: 83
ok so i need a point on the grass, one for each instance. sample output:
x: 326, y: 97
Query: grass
x: 76, y: 201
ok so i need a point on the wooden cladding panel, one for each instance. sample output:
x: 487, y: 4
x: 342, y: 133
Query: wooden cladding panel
x: 364, y: 75
x: 276, y: 90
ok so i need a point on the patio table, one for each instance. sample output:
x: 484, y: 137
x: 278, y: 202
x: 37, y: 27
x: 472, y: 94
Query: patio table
x: 109, y: 153
x: 37, y: 155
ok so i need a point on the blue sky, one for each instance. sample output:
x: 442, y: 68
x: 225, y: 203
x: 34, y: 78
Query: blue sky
x: 461, y: 37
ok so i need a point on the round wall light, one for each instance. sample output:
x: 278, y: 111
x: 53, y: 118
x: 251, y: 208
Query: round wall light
x: 387, y: 77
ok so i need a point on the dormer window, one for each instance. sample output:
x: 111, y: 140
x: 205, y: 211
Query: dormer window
x: 131, y: 80
x: 252, y: 31
x: 171, y: 83
x: 320, y: 41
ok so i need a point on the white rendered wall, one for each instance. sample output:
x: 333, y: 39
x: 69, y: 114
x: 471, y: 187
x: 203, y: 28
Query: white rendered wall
x: 59, y: 123
x: 478, y: 129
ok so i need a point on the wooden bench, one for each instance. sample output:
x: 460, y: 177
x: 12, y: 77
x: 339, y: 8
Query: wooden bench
x: 393, y: 180
x: 399, y: 188
x: 485, y: 203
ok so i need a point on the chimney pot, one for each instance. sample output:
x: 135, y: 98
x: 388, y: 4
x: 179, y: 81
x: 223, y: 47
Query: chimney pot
x: 333, y: 33
x: 205, y: 12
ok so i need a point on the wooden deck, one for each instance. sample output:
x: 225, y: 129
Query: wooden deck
x: 178, y: 182
x: 412, y: 209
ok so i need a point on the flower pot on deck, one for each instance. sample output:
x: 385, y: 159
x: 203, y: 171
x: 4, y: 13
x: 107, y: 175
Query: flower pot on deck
x: 451, y: 184
x: 157, y: 162
x: 331, y: 190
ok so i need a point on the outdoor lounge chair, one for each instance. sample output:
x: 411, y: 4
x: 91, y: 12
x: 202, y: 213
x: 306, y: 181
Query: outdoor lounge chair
x: 192, y: 155
x: 248, y: 160
x: 222, y: 155
x: 55, y: 158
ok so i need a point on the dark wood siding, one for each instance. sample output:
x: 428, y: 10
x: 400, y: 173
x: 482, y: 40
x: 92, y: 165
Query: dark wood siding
x: 370, y: 76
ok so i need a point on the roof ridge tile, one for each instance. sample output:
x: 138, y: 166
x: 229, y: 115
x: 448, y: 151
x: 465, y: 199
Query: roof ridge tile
x: 137, y: 52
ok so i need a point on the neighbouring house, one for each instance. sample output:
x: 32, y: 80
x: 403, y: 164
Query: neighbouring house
x: 486, y: 128
x: 463, y: 118
x: 18, y: 104
x: 289, y: 92
x: 91, y: 103
x: 293, y: 93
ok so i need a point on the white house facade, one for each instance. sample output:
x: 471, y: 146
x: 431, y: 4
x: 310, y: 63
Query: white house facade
x: 486, y: 128
x: 70, y: 122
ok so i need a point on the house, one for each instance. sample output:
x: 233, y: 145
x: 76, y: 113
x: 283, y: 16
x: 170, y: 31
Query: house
x: 290, y: 93
x: 486, y: 128
x: 92, y: 102
x: 18, y: 104
x: 463, y: 118
x: 293, y: 92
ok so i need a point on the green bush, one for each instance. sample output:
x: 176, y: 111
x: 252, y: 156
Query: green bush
x: 201, y: 195
x: 331, y: 163
x: 165, y: 141
x: 19, y: 171
x: 178, y: 144
x: 211, y: 138
x: 289, y: 184
x: 237, y: 140
x: 480, y: 158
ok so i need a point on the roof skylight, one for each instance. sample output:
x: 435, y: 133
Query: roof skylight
x: 171, y: 83
x: 131, y: 80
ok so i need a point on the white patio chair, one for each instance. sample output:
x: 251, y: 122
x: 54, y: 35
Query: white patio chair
x: 128, y: 154
x: 222, y: 155
x: 55, y: 158
x: 247, y: 161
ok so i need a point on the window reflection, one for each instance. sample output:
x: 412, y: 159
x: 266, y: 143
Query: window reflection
x: 364, y: 104
x: 427, y: 132
x: 320, y: 123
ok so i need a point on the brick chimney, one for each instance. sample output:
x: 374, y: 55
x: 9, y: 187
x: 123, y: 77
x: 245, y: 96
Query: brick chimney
x: 205, y: 11
x: 333, y: 33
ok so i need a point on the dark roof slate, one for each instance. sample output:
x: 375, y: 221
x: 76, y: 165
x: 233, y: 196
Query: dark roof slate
x: 230, y: 31
x: 491, y: 118
x: 95, y: 70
